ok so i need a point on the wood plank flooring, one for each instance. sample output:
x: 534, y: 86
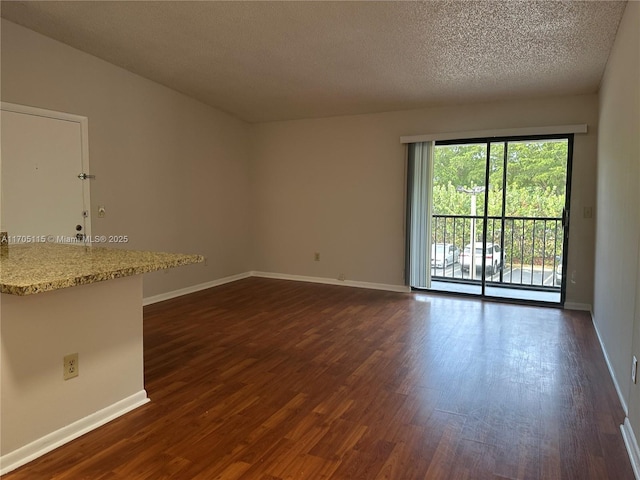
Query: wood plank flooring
x: 272, y: 380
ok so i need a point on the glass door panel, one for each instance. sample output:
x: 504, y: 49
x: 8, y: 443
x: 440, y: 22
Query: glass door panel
x: 494, y: 257
x: 536, y: 180
x: 459, y: 172
x: 498, y: 217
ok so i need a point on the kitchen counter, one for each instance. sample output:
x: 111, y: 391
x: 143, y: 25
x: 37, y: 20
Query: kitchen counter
x: 27, y: 269
x: 100, y: 321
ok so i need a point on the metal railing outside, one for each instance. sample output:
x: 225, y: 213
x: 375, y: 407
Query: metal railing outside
x: 530, y: 246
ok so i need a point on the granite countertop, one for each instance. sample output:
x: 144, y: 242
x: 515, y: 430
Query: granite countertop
x: 26, y: 269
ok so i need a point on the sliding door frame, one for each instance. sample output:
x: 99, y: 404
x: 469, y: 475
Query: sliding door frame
x: 565, y: 215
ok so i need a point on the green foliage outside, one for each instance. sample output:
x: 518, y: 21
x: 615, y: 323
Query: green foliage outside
x: 520, y: 202
x: 536, y: 180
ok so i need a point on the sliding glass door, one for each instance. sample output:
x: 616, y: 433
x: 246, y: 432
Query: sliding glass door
x: 499, y: 217
x: 457, y: 221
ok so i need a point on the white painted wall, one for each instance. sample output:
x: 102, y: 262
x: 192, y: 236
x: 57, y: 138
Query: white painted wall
x: 337, y: 186
x: 177, y: 175
x: 102, y: 322
x: 616, y: 300
x: 171, y: 172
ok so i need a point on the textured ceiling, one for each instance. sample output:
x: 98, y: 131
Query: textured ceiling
x: 264, y: 61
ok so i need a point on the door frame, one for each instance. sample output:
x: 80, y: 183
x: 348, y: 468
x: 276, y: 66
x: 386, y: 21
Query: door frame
x: 488, y: 140
x: 83, y: 122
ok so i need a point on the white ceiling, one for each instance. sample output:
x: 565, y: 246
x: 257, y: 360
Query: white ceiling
x: 263, y: 61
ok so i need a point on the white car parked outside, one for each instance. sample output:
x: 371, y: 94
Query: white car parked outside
x: 444, y: 254
x: 494, y: 257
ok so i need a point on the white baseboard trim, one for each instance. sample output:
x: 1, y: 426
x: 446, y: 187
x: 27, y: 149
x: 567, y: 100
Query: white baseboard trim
x: 331, y: 281
x: 632, y: 446
x: 610, y: 366
x: 194, y: 288
x: 279, y: 276
x: 53, y: 440
x: 585, y: 307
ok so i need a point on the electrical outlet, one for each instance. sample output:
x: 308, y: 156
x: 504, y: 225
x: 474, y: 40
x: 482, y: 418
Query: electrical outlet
x: 71, y: 366
x: 341, y: 277
x: 587, y: 212
x: 634, y: 370
x: 316, y: 256
x: 101, y: 211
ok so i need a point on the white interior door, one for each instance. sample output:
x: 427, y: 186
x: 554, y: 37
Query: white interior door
x: 42, y: 196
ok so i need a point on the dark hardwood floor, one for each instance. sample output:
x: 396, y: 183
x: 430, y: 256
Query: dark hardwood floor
x: 267, y: 379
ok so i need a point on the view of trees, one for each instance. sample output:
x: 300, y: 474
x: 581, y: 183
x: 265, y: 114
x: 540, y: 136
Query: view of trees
x: 536, y: 178
x: 536, y: 182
